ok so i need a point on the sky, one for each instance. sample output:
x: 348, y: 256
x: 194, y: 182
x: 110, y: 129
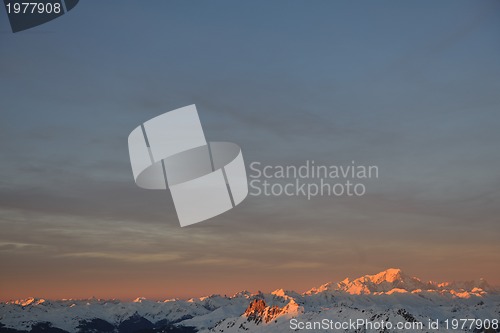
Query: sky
x: 412, y: 87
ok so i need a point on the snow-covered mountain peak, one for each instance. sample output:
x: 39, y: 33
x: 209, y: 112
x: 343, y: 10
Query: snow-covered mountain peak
x: 279, y: 292
x: 259, y: 312
x: 383, y: 282
x: 467, y: 285
x: 139, y: 299
x: 27, y: 301
x: 390, y: 275
x: 324, y: 287
x: 394, y: 280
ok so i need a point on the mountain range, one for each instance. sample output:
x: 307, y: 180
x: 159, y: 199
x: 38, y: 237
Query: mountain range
x: 372, y: 301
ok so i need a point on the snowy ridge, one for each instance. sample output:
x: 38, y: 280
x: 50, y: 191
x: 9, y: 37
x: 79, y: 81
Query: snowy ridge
x: 391, y: 295
x: 394, y: 280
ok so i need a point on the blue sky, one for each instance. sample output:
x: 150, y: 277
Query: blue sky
x: 409, y: 86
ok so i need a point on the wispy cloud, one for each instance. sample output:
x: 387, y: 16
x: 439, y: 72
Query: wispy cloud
x: 127, y: 257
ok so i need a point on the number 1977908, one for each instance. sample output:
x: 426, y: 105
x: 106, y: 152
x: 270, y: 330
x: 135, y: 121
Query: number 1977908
x: 33, y: 8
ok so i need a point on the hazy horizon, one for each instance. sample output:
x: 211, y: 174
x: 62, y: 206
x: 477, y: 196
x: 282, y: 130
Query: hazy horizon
x: 230, y: 294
